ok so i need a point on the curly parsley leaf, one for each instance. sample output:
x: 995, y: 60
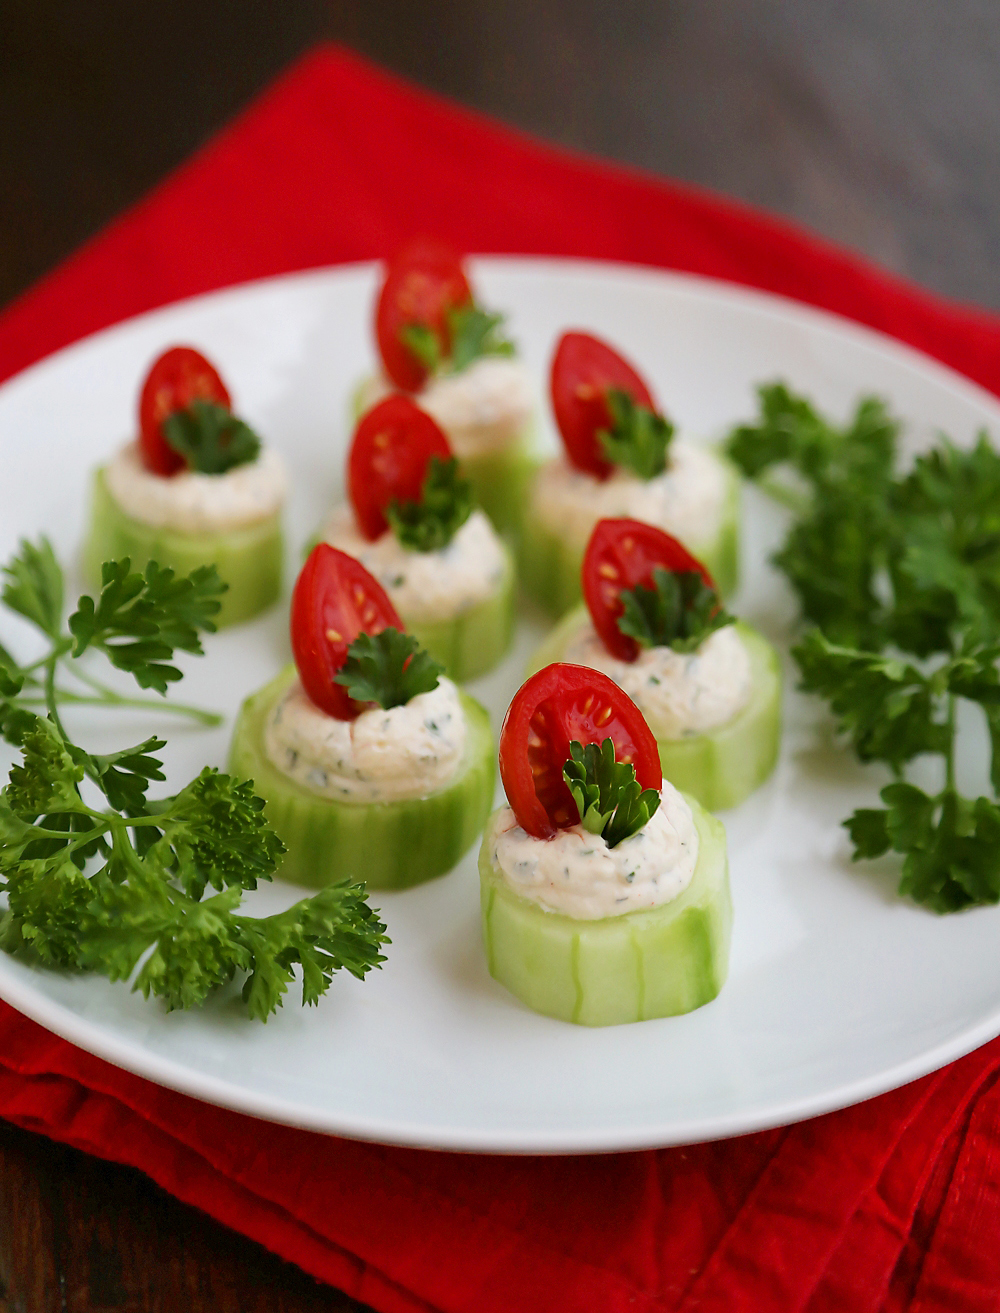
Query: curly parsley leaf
x: 638, y: 438
x: 124, y: 777
x: 679, y: 611
x: 389, y: 668
x: 48, y: 778
x: 473, y: 332
x: 139, y: 620
x: 210, y: 438
x: 609, y: 798
x: 446, y: 502
x: 34, y: 586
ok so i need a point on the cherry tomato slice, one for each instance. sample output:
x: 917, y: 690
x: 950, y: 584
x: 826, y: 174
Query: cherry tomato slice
x: 555, y: 706
x: 180, y: 376
x: 620, y: 555
x: 422, y: 283
x: 390, y: 451
x: 334, y: 600
x: 583, y: 369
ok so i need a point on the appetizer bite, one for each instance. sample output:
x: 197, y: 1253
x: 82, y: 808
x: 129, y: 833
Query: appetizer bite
x: 708, y: 685
x: 605, y: 891
x: 437, y: 343
x: 621, y: 458
x: 197, y: 487
x: 370, y: 762
x: 411, y: 520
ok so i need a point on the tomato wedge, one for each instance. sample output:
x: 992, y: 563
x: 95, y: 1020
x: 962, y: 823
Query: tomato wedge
x: 390, y: 451
x: 620, y: 555
x: 583, y: 369
x: 334, y: 600
x: 178, y: 377
x: 422, y: 283
x: 555, y: 706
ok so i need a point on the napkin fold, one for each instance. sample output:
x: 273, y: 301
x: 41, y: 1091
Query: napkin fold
x: 893, y: 1204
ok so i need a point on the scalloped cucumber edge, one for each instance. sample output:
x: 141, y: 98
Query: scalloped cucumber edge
x: 388, y: 845
x: 655, y: 963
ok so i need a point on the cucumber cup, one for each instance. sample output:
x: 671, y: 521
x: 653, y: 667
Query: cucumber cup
x: 389, y: 845
x: 549, y: 565
x: 249, y: 560
x: 724, y: 766
x: 645, y: 964
x: 501, y: 479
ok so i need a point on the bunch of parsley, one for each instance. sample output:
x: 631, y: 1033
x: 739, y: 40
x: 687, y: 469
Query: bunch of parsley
x: 899, y: 575
x: 97, y: 876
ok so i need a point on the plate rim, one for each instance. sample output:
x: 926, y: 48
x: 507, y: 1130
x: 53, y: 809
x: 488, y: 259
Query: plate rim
x: 132, y: 1057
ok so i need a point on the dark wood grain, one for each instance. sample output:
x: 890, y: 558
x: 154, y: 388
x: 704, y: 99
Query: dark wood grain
x: 876, y: 124
x: 82, y: 1236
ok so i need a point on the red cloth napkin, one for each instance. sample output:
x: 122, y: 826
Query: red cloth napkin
x: 893, y: 1204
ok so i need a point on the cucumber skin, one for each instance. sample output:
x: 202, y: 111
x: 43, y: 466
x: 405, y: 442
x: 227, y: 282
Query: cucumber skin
x: 388, y: 845
x: 474, y: 641
x: 655, y: 963
x: 249, y: 560
x: 549, y: 566
x: 723, y: 767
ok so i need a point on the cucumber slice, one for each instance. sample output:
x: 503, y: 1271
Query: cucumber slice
x: 549, y: 566
x: 654, y: 963
x: 724, y: 766
x: 249, y: 560
x: 475, y: 640
x: 389, y: 845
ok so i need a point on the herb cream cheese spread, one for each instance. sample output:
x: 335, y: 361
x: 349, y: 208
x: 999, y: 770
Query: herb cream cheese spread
x: 483, y: 408
x: 198, y: 503
x: 426, y: 586
x: 687, y: 499
x: 381, y: 756
x: 578, y: 875
x: 678, y: 693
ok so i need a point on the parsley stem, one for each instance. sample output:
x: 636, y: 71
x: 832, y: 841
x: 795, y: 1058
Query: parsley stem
x: 108, y: 697
x: 949, y: 757
x: 51, y: 700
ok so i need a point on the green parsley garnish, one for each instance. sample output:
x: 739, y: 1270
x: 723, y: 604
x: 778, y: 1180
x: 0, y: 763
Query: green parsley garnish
x: 639, y: 437
x: 609, y: 798
x: 887, y: 565
x: 679, y: 611
x: 446, y: 502
x: 137, y: 622
x: 389, y: 668
x: 473, y: 331
x: 210, y: 438
x: 119, y: 887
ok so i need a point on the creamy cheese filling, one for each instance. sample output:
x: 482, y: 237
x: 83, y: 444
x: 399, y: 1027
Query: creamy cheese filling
x: 577, y: 874
x: 481, y: 409
x: 382, y: 756
x: 678, y: 693
x: 688, y: 499
x: 426, y: 586
x: 198, y: 503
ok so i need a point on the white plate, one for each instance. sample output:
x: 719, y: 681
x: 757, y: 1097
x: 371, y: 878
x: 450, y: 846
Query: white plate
x: 837, y: 989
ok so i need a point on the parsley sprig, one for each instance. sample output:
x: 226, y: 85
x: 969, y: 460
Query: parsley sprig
x: 473, y: 331
x: 389, y: 668
x: 609, y: 798
x: 446, y: 502
x: 100, y: 878
x: 679, y: 611
x: 137, y: 622
x: 900, y: 575
x: 210, y: 437
x: 639, y: 437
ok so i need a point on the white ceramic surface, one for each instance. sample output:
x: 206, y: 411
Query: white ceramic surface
x: 837, y: 989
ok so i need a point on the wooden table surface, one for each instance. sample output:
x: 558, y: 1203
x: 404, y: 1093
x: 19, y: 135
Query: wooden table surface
x: 876, y: 124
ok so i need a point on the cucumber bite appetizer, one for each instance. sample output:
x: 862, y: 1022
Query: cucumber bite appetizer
x: 412, y: 522
x: 605, y: 891
x: 621, y: 458
x: 195, y: 488
x: 371, y: 763
x: 708, y: 686
x: 437, y: 343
